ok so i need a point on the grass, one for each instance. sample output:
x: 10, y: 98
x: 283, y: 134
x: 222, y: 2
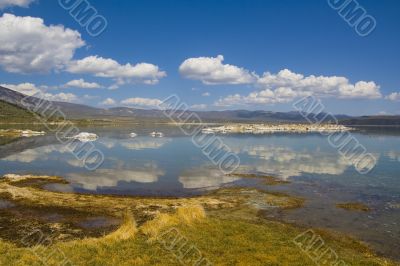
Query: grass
x: 284, y: 201
x: 354, y: 206
x: 10, y: 113
x: 186, y: 215
x: 127, y: 230
x: 220, y: 241
x: 223, y: 226
x: 28, y: 191
x: 17, y: 133
x: 10, y: 133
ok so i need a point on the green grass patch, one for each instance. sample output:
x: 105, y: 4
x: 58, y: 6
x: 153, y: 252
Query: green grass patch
x: 224, y: 227
x: 12, y: 113
x: 220, y: 241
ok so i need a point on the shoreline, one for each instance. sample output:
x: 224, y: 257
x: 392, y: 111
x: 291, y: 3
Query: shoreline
x: 234, y: 207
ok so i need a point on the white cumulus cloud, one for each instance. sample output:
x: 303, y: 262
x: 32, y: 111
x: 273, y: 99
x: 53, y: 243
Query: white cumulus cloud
x: 212, y: 71
x: 267, y: 96
x: 285, y: 86
x: 108, y: 101
x: 24, y: 88
x: 109, y: 68
x: 323, y: 86
x: 10, y: 3
x: 61, y: 97
x: 81, y: 83
x: 143, y: 102
x: 39, y: 91
x: 199, y: 106
x: 27, y: 45
x: 394, y: 96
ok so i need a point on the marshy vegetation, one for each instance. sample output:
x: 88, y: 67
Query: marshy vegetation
x: 225, y: 226
x: 354, y: 206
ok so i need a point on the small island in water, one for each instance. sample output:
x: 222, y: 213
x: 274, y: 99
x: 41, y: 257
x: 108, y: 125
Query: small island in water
x: 273, y: 128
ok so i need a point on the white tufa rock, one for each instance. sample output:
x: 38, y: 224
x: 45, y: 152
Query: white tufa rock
x: 31, y: 133
x: 86, y: 137
x: 155, y: 134
x: 15, y: 178
x: 272, y: 128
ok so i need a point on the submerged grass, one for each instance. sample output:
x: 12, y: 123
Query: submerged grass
x: 354, y: 206
x: 267, y: 179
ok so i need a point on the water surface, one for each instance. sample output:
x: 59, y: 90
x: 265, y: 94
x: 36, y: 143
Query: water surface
x: 173, y: 166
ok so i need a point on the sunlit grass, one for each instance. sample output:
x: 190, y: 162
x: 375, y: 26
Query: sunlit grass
x: 185, y: 215
x: 221, y: 241
x: 223, y: 225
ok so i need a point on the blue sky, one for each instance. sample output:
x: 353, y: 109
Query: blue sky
x: 213, y: 54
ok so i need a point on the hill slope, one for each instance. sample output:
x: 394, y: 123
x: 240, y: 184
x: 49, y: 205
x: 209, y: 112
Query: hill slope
x: 80, y: 111
x: 71, y: 110
x: 13, y: 113
x: 373, y: 120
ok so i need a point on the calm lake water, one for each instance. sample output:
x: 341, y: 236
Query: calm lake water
x: 173, y: 166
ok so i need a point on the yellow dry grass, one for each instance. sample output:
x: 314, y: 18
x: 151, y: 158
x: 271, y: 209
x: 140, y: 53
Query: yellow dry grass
x: 230, y: 234
x: 127, y: 230
x: 184, y: 215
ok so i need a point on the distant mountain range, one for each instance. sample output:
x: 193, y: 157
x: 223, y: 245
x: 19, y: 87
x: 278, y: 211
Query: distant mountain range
x: 79, y: 111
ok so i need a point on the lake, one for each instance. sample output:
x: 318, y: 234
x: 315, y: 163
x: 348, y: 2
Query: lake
x: 174, y: 166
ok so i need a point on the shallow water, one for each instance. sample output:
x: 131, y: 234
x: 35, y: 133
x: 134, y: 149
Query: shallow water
x: 173, y: 166
x: 99, y: 222
x: 5, y: 204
